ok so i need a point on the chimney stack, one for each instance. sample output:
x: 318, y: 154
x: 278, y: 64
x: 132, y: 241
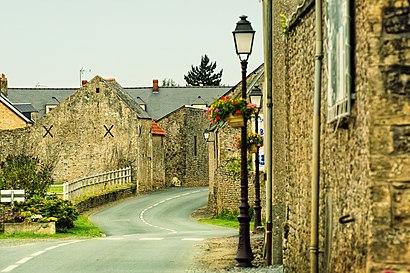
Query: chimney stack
x: 155, y: 86
x: 3, y: 85
x: 84, y: 82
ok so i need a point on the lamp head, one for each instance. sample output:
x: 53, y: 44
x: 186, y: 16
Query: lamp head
x: 243, y: 37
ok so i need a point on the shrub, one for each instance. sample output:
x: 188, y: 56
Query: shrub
x: 49, y: 208
x: 26, y: 173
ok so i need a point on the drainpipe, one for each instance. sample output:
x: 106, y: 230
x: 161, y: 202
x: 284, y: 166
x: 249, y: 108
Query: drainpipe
x: 314, y: 239
x: 268, y: 72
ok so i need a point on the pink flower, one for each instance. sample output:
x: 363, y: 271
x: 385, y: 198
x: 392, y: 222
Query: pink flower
x: 208, y: 111
x: 249, y: 106
x: 216, y: 110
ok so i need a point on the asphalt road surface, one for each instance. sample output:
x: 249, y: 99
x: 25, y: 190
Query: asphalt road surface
x: 149, y: 233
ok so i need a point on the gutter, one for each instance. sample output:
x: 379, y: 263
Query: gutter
x: 268, y: 74
x: 314, y: 239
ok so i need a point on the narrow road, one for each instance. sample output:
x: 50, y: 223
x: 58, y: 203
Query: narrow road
x: 149, y: 233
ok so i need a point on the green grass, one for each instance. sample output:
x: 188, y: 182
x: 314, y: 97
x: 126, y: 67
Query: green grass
x: 56, y: 188
x: 83, y: 228
x: 225, y: 219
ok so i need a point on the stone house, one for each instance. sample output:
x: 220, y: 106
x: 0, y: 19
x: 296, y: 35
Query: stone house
x: 98, y: 128
x: 224, y: 158
x: 364, y: 151
x: 186, y: 157
x: 10, y: 116
x: 162, y: 104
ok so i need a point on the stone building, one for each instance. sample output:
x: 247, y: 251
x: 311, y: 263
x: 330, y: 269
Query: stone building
x: 186, y: 157
x: 364, y: 194
x: 224, y: 158
x: 98, y: 128
x: 164, y: 105
x: 10, y: 116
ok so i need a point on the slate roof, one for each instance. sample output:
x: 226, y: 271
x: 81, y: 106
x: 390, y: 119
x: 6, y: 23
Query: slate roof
x: 40, y: 97
x: 8, y: 104
x: 25, y: 107
x: 158, y: 105
x: 127, y: 99
x: 169, y: 99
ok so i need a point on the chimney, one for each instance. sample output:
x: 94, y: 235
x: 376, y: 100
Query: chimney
x: 84, y: 82
x: 155, y: 86
x: 3, y: 85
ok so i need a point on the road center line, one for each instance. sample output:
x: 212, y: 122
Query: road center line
x: 161, y: 202
x: 10, y: 268
x: 26, y: 259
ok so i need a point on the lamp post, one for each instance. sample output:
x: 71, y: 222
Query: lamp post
x: 243, y: 37
x: 256, y: 98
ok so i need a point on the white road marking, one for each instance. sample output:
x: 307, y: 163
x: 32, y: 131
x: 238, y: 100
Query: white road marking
x: 151, y: 239
x: 52, y: 247
x: 161, y: 202
x: 10, y: 268
x: 24, y: 260
x: 38, y: 253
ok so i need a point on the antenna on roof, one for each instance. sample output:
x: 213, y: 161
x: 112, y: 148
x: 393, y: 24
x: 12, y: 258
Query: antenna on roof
x: 82, y: 70
x: 40, y: 85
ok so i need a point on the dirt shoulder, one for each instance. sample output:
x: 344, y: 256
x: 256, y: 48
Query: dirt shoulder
x: 219, y: 253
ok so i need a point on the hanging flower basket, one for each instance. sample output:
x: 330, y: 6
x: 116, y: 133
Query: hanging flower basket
x: 236, y: 121
x: 253, y: 148
x: 224, y: 108
x: 253, y: 142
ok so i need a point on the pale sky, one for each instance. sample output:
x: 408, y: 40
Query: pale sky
x: 47, y: 42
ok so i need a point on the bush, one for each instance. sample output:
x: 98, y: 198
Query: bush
x: 25, y: 173
x: 50, y: 207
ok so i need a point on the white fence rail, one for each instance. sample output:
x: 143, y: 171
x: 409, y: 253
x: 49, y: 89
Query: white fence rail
x: 98, y: 183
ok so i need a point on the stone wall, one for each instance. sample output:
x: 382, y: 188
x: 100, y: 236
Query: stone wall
x: 93, y: 131
x: 389, y: 88
x: 365, y: 162
x: 158, y: 162
x: 224, y: 162
x: 186, y: 154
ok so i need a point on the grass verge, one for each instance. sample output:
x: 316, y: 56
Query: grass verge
x: 225, y: 219
x: 83, y: 228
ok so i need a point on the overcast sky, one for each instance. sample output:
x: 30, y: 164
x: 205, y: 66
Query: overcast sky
x: 47, y: 42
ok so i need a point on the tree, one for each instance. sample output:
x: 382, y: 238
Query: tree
x: 203, y: 75
x: 25, y: 173
x: 169, y: 82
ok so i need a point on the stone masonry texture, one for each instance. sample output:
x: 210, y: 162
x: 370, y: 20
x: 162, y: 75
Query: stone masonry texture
x: 92, y: 131
x: 365, y: 159
x: 186, y: 156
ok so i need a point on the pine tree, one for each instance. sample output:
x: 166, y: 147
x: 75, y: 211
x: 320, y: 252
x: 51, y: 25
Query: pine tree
x: 204, y: 75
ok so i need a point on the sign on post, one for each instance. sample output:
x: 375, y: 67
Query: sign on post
x: 9, y: 196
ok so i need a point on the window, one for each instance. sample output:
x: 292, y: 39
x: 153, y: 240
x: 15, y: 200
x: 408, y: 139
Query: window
x: 195, y: 146
x: 50, y: 107
x: 339, y: 79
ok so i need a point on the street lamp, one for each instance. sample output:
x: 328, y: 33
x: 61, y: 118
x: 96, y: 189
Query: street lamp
x: 256, y: 98
x: 206, y: 135
x: 243, y: 37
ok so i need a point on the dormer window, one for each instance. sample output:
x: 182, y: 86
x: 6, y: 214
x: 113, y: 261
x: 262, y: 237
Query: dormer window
x: 50, y: 107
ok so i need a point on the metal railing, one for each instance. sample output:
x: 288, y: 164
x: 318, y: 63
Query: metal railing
x: 97, y: 184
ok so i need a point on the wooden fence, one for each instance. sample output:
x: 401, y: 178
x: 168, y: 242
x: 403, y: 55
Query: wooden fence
x: 97, y: 184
